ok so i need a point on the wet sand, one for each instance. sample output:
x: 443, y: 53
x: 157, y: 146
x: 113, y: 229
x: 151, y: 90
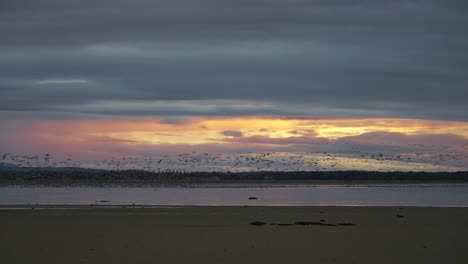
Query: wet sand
x: 80, y: 234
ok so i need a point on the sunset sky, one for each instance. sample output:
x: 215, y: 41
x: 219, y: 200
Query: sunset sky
x: 347, y: 84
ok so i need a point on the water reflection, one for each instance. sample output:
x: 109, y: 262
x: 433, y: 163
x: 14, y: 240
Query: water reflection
x: 285, y: 196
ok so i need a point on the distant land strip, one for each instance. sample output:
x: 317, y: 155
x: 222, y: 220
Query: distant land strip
x: 59, y: 177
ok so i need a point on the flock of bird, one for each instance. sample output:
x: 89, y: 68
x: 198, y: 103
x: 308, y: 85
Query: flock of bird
x: 434, y: 158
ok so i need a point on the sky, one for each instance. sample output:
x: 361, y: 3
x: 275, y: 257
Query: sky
x: 350, y: 84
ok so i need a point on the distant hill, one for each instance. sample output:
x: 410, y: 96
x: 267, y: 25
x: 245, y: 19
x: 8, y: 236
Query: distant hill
x: 4, y: 165
x: 51, y: 176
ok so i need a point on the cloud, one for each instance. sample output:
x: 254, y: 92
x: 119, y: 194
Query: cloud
x: 294, y: 58
x: 307, y: 138
x: 279, y: 141
x: 394, y: 139
x: 64, y: 81
x: 231, y: 133
x: 149, y: 137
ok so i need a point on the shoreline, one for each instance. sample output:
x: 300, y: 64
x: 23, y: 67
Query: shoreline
x: 301, y: 184
x: 60, y: 207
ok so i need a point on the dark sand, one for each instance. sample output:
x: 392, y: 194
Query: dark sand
x: 224, y: 235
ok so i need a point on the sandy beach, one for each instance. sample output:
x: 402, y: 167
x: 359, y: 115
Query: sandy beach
x: 80, y: 234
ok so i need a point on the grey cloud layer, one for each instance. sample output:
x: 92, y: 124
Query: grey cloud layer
x: 328, y: 58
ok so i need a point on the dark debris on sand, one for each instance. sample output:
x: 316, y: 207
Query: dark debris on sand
x: 281, y: 224
x: 303, y: 223
x: 257, y: 223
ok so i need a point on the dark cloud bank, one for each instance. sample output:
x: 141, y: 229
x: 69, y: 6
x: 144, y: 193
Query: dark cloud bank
x: 286, y: 57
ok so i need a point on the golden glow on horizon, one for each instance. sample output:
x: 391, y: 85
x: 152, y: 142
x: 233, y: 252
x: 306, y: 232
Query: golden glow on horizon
x: 198, y: 130
x: 416, y: 145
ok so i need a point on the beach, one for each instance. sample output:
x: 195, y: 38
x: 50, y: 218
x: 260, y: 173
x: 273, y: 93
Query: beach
x: 237, y: 234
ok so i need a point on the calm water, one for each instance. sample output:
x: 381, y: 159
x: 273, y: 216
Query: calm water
x: 432, y: 195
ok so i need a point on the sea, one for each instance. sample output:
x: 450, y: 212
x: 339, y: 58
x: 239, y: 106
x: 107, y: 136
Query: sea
x: 431, y: 195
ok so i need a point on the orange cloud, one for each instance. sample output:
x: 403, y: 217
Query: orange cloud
x: 194, y: 131
x: 103, y: 138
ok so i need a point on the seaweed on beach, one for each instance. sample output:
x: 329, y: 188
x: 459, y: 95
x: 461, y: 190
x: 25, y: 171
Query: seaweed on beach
x: 305, y: 223
x: 257, y: 223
